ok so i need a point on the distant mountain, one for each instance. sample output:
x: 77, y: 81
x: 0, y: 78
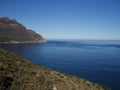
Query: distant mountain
x: 17, y: 73
x: 13, y: 32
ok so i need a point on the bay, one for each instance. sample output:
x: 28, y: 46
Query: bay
x: 95, y: 60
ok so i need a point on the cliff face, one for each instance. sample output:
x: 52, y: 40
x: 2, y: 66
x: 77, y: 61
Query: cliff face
x: 17, y: 73
x: 13, y: 32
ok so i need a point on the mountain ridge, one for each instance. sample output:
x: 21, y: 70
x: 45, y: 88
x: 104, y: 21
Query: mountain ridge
x: 12, y: 31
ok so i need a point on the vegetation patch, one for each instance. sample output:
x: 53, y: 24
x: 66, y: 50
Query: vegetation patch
x: 17, y: 73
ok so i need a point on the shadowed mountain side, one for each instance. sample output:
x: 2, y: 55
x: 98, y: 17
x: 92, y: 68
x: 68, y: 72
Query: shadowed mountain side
x: 13, y: 32
x: 17, y: 73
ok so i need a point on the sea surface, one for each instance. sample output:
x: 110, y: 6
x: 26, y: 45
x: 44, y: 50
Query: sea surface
x: 94, y: 60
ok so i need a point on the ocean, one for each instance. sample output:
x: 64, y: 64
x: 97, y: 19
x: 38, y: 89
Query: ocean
x: 94, y: 60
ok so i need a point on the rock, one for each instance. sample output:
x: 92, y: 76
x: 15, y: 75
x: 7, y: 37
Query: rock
x: 54, y: 87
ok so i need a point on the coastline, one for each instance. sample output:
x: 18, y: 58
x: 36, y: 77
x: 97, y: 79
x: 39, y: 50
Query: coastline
x: 24, y: 42
x: 21, y: 70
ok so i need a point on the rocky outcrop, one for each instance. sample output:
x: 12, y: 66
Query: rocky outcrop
x: 13, y: 32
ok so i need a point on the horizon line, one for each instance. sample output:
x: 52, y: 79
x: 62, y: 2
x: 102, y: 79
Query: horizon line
x: 83, y: 39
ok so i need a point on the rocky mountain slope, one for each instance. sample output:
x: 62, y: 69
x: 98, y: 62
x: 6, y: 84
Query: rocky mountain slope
x: 13, y: 32
x: 17, y: 73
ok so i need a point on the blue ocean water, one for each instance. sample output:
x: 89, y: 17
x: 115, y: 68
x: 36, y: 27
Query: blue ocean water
x: 95, y: 60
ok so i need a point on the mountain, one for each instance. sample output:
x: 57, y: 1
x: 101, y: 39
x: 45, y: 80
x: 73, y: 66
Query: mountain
x: 17, y: 73
x: 13, y: 32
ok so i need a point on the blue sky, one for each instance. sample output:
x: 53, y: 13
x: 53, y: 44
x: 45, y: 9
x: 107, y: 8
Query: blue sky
x: 66, y: 19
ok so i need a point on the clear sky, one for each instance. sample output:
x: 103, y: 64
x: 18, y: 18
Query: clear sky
x: 66, y: 19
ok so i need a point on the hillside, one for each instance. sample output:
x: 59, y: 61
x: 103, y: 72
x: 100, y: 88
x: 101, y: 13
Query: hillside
x: 13, y: 32
x: 17, y: 73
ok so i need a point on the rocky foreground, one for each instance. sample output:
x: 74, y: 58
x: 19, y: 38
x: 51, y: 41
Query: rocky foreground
x: 13, y: 32
x: 17, y: 73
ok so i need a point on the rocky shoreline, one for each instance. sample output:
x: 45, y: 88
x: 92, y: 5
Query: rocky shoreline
x: 26, y: 42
